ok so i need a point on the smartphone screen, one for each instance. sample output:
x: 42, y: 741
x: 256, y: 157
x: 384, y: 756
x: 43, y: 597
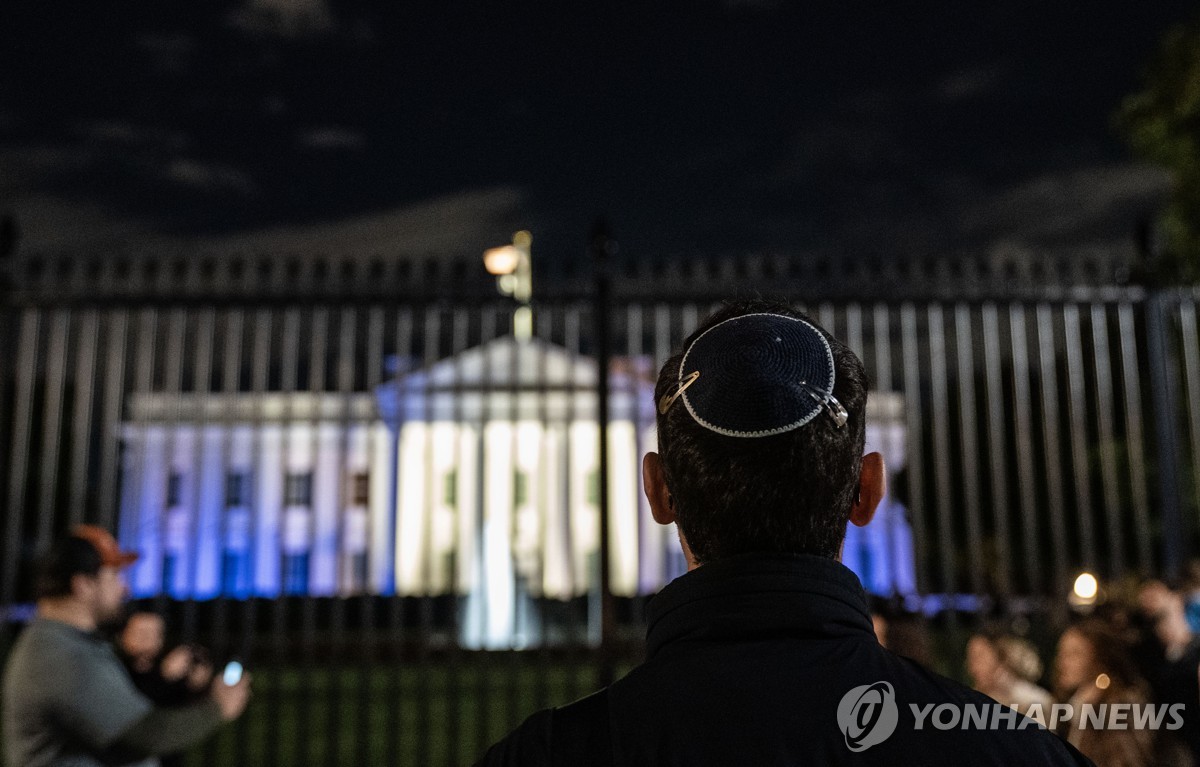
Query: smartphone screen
x: 233, y: 673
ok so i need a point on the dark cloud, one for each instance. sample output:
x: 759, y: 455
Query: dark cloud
x: 331, y: 138
x: 296, y: 19
x: 699, y: 128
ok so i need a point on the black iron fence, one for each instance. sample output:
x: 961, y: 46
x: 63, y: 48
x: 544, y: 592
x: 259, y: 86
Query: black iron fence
x: 352, y: 475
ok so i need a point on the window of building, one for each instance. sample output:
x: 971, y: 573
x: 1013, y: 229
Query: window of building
x: 360, y: 489
x: 233, y: 575
x: 295, y: 573
x: 593, y: 487
x: 170, y: 565
x: 237, y: 490
x: 297, y: 489
x: 520, y: 488
x: 174, y: 490
x: 450, y: 488
x: 358, y: 571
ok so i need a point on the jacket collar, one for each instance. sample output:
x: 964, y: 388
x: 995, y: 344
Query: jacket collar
x: 759, y: 596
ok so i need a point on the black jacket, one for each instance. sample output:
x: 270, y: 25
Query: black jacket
x: 748, y: 662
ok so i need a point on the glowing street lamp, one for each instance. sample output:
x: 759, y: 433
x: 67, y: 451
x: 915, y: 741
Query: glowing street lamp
x: 514, y: 277
x: 1085, y: 591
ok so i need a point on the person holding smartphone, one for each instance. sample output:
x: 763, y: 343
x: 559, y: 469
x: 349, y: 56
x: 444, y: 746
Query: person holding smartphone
x: 67, y: 697
x: 179, y: 677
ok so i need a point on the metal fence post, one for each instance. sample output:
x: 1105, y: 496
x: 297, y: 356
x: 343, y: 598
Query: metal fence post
x: 601, y: 247
x: 1164, y: 401
x: 8, y: 328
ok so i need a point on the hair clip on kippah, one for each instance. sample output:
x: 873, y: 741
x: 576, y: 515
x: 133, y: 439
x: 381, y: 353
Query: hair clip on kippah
x: 838, y: 413
x: 830, y: 403
x: 667, y: 400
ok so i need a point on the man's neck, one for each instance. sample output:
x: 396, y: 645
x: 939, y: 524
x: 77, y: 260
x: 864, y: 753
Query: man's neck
x: 67, y: 611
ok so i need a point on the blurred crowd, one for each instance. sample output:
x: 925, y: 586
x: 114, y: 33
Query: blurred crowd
x: 1139, y: 645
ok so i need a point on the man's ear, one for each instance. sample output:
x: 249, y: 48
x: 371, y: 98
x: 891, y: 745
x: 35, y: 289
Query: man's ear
x: 872, y: 484
x: 655, y: 483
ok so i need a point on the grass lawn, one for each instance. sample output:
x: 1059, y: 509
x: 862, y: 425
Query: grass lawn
x: 440, y: 714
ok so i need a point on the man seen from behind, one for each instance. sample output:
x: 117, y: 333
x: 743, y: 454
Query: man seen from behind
x: 763, y: 653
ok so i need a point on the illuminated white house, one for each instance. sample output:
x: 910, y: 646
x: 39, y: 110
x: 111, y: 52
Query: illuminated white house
x: 497, y: 468
x: 476, y: 476
x: 255, y: 494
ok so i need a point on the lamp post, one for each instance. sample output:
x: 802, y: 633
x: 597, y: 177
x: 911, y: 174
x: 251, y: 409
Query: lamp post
x: 513, y: 270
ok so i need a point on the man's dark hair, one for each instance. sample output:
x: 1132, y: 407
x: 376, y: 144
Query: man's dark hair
x: 785, y: 493
x: 66, y: 558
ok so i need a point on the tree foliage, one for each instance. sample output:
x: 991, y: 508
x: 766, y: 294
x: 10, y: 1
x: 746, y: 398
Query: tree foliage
x: 1162, y: 124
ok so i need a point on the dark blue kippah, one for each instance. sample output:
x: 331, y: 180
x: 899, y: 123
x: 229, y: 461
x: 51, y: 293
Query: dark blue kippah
x: 757, y: 375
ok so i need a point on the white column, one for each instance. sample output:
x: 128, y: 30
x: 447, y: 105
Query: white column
x: 585, y: 516
x: 556, y: 552
x: 268, y: 485
x: 382, y: 512
x: 623, y: 509
x: 208, y: 516
x: 410, y: 509
x: 498, y: 574
x: 327, y: 503
x: 145, y: 579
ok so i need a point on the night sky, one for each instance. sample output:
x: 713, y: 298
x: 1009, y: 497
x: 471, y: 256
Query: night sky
x: 698, y: 128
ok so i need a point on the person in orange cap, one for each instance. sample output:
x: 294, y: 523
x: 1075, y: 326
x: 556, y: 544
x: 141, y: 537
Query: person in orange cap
x: 67, y: 698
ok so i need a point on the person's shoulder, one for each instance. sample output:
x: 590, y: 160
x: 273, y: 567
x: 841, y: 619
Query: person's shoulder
x: 529, y: 744
x: 920, y: 682
x: 1008, y: 737
x: 42, y: 665
x: 46, y: 634
x: 575, y: 734
x: 42, y: 645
